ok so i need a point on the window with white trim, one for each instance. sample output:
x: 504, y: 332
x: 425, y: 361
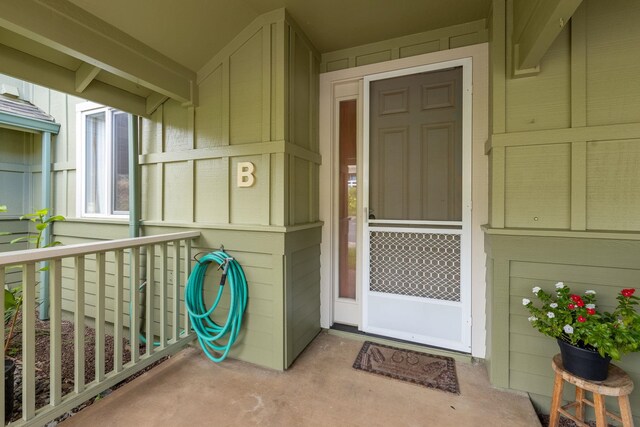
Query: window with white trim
x: 103, y: 161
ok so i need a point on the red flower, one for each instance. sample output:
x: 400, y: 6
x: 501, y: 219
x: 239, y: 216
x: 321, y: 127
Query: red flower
x: 627, y: 292
x: 580, y: 303
x: 576, y: 298
x: 571, y: 306
x: 591, y: 311
x: 582, y: 319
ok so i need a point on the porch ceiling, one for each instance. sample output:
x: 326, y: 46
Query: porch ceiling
x: 135, y: 55
x: 192, y: 32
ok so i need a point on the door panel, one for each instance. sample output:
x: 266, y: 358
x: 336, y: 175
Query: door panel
x: 416, y: 147
x: 413, y: 281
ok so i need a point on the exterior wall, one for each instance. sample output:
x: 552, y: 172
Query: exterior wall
x: 520, y: 262
x: 302, y: 290
x: 403, y: 47
x: 564, y: 150
x: 258, y: 103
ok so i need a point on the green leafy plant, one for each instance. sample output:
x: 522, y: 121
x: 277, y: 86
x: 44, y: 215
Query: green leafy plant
x: 575, y: 319
x: 13, y: 296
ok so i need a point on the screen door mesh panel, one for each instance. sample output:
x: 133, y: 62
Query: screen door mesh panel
x: 416, y: 264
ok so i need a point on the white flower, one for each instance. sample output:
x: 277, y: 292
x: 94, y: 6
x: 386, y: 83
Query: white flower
x: 590, y: 292
x: 568, y: 329
x: 550, y: 315
x: 553, y: 305
x: 590, y: 306
x: 536, y: 290
x: 559, y: 285
x: 532, y: 318
x: 525, y: 301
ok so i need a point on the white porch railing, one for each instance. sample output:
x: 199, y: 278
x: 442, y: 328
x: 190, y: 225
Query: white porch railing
x: 161, y: 290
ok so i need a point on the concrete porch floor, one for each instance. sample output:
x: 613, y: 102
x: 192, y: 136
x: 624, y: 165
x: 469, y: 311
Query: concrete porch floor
x: 320, y: 389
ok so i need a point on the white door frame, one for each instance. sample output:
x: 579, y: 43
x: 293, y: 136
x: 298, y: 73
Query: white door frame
x: 464, y: 344
x: 330, y: 82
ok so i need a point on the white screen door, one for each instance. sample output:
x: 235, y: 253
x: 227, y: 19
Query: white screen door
x: 416, y: 193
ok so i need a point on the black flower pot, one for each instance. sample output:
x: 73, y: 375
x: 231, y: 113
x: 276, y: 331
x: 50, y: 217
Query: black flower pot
x: 9, y: 369
x: 583, y: 362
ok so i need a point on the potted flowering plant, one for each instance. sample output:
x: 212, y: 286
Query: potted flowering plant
x: 588, y: 338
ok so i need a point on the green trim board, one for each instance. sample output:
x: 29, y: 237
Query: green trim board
x: 270, y: 147
x: 542, y: 25
x: 609, y: 132
x: 402, y: 47
x: 575, y: 234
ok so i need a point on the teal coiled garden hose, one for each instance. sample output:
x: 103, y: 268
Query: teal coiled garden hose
x: 208, y: 331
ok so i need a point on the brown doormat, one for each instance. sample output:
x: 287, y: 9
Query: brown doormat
x: 425, y: 369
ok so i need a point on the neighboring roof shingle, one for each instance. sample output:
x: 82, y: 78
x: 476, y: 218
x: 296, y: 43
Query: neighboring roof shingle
x: 22, y: 108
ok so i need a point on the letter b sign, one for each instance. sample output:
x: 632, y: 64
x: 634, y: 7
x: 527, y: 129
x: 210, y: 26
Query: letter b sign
x: 246, y: 178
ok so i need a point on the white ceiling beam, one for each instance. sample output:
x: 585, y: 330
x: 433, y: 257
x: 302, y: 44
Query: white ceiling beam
x: 85, y: 75
x: 26, y: 67
x: 546, y: 22
x: 65, y: 27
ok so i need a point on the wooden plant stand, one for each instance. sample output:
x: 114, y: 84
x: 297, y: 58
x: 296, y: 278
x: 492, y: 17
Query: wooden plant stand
x: 617, y: 384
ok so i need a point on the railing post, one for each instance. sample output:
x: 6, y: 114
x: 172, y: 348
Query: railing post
x: 176, y: 291
x: 55, y: 333
x: 163, y: 296
x: 100, y: 314
x: 118, y: 312
x: 187, y: 272
x: 28, y: 341
x: 149, y: 293
x: 2, y: 284
x: 134, y: 310
x: 78, y: 317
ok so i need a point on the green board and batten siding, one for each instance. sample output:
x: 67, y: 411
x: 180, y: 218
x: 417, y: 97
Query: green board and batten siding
x: 258, y: 103
x: 403, y: 47
x: 564, y: 151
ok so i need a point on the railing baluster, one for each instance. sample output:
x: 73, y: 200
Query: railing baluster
x: 187, y: 272
x: 176, y: 290
x: 150, y: 290
x: 2, y: 284
x: 29, y: 260
x: 100, y: 314
x: 163, y: 295
x: 55, y: 332
x: 134, y: 310
x: 28, y: 341
x: 118, y: 312
x: 78, y: 317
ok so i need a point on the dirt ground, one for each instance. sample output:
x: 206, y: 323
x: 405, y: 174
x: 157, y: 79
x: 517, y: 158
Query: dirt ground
x: 42, y: 364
